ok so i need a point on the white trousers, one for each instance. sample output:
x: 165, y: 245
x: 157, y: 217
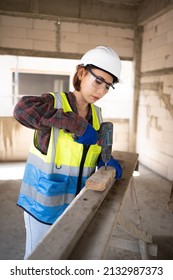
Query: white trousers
x: 35, y: 231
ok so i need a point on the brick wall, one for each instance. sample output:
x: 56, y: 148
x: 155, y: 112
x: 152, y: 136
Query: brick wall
x: 155, y: 120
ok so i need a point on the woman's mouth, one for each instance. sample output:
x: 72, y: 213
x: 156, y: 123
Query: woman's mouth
x: 95, y: 98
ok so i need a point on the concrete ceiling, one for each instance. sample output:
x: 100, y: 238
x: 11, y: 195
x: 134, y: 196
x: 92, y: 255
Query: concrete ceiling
x: 131, y: 3
x: 16, y: 5
x: 126, y: 12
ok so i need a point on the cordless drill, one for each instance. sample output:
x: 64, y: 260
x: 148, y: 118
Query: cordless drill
x: 105, y: 140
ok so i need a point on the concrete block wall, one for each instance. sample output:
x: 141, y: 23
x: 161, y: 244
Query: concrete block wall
x: 157, y: 51
x: 27, y: 33
x: 79, y: 37
x: 49, y: 35
x: 155, y: 119
x: 15, y: 139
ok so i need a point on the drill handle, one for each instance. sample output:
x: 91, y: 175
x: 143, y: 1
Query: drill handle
x: 105, y: 134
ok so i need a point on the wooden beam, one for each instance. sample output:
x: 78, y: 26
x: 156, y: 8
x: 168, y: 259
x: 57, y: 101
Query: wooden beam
x: 128, y: 226
x: 67, y: 230
x: 94, y: 243
x: 101, y: 179
x: 133, y: 245
x: 85, y: 228
x: 170, y: 201
x: 143, y: 250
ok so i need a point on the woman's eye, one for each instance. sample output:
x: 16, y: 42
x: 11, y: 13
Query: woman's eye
x: 99, y: 82
x: 107, y: 87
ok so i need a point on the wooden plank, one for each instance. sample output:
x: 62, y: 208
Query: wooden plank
x: 132, y: 245
x: 128, y: 226
x: 170, y: 202
x: 143, y: 250
x: 95, y: 240
x: 64, y: 234
x: 101, y: 179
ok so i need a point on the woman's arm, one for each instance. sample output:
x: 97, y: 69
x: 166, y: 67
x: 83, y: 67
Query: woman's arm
x: 38, y: 112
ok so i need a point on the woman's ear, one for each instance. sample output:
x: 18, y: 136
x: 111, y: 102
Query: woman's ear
x: 81, y: 73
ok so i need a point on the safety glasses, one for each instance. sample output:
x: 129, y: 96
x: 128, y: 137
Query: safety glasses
x: 98, y: 82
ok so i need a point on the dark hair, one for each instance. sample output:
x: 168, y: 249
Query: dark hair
x: 76, y: 81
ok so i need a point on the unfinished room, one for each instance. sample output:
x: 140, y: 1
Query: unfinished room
x: 96, y: 75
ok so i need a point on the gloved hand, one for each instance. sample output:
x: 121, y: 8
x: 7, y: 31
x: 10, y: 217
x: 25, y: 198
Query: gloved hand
x: 89, y: 137
x: 115, y: 164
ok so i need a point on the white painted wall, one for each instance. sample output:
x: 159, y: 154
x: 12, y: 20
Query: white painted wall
x: 115, y: 105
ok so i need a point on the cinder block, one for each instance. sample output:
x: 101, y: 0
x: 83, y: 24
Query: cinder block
x: 161, y: 51
x: 158, y: 40
x: 69, y: 47
x: 69, y: 27
x: 124, y: 52
x: 165, y: 26
x: 83, y: 48
x: 120, y: 32
x: 10, y: 31
x: 69, y: 37
x: 148, y: 34
x: 145, y: 46
x: 149, y: 25
x: 17, y: 43
x: 16, y: 21
x: 44, y: 24
x: 100, y: 40
x: 125, y: 43
x: 41, y: 34
x: 155, y: 64
x: 85, y: 28
x: 167, y: 16
x: 95, y: 39
x: 82, y: 38
x: 94, y: 29
x: 44, y: 45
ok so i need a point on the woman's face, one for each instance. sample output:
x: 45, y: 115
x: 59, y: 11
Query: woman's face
x: 95, y: 83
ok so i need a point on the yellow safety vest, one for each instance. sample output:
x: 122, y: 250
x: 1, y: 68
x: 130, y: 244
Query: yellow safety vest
x: 50, y: 181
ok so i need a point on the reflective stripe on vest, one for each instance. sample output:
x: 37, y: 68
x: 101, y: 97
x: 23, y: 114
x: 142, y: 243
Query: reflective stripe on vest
x: 49, y: 183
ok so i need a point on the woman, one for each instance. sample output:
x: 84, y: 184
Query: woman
x: 64, y: 152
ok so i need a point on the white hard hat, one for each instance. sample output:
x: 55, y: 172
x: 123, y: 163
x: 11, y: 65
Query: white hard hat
x: 104, y: 58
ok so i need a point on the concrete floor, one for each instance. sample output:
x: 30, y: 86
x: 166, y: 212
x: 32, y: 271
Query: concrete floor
x: 152, y: 193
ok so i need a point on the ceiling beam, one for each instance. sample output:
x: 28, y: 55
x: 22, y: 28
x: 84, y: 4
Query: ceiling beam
x: 150, y: 10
